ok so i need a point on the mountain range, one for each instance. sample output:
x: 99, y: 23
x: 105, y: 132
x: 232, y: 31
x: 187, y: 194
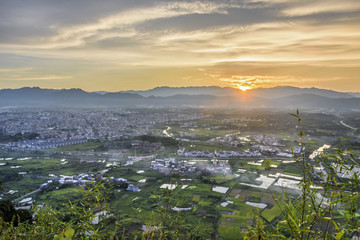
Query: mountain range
x: 275, y: 92
x: 213, y: 96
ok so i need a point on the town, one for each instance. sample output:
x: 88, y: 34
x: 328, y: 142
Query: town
x: 225, y: 167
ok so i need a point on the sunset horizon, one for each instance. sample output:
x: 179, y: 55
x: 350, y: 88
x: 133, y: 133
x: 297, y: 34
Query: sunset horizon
x: 240, y: 90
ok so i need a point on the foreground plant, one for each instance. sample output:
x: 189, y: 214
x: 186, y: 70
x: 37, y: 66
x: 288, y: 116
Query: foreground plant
x: 328, y: 205
x: 76, y: 221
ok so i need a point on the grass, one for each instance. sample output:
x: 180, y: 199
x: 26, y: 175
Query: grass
x: 204, y: 203
x: 24, y: 186
x: 57, y: 198
x: 253, y: 167
x: 275, y: 211
x: 274, y: 162
x: 229, y: 232
x: 255, y: 199
x: 293, y: 174
x: 196, y: 198
x: 44, y: 167
x: 219, y: 178
x: 203, y: 146
x: 231, y: 223
x: 136, y: 178
x: 292, y: 169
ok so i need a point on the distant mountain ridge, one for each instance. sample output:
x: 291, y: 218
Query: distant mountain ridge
x: 171, y: 91
x: 278, y: 97
x: 286, y: 91
x: 275, y: 92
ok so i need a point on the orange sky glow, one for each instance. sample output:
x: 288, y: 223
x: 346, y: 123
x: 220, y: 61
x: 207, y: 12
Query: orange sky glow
x: 138, y: 45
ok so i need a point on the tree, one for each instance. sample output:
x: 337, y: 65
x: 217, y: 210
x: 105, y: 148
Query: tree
x: 174, y: 224
x: 76, y: 221
x: 267, y: 164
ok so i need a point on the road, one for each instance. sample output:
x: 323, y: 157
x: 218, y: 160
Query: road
x: 24, y: 196
x: 344, y: 124
x: 165, y: 132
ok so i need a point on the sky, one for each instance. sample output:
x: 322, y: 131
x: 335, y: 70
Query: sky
x: 114, y: 45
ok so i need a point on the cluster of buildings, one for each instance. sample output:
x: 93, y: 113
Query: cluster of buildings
x: 42, y: 144
x: 267, y: 140
x: 170, y: 165
x: 272, y: 151
x: 182, y: 152
x: 215, y: 167
x: 221, y: 154
x: 229, y: 154
x: 233, y: 140
x: 82, y: 179
x: 78, y: 180
x: 275, y: 151
x: 88, y: 124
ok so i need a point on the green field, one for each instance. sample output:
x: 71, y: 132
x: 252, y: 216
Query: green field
x: 35, y: 172
x: 229, y: 232
x: 275, y: 211
x: 59, y: 198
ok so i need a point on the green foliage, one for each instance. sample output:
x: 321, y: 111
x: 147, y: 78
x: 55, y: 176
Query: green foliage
x: 75, y: 221
x: 87, y: 146
x: 173, y: 224
x: 267, y: 164
x: 257, y: 232
x: 17, y: 137
x: 10, y: 175
x: 9, y: 215
x: 328, y: 204
x: 166, y: 141
x: 275, y: 211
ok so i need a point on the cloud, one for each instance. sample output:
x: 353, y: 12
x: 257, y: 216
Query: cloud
x: 6, y: 70
x: 122, y: 24
x: 250, y: 42
x: 249, y: 82
x: 35, y: 78
x: 316, y: 7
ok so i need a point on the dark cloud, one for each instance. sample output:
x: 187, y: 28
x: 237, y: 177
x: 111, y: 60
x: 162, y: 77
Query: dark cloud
x: 20, y: 21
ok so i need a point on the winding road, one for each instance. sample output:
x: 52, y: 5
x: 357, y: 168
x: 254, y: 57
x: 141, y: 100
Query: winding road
x: 24, y: 196
x: 165, y: 132
x: 344, y: 124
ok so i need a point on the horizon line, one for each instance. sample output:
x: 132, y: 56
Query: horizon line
x: 144, y: 90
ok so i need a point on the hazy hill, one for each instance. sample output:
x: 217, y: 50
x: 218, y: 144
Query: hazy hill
x: 275, y: 92
x: 312, y: 101
x: 355, y: 94
x: 64, y: 97
x: 171, y: 91
x: 278, y: 92
x: 279, y: 97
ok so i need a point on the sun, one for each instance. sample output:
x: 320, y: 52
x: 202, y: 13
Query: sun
x: 243, y: 88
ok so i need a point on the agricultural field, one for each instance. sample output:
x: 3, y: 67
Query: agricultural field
x: 23, y: 175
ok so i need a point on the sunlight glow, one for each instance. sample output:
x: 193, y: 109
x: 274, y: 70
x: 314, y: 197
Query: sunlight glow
x: 243, y: 88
